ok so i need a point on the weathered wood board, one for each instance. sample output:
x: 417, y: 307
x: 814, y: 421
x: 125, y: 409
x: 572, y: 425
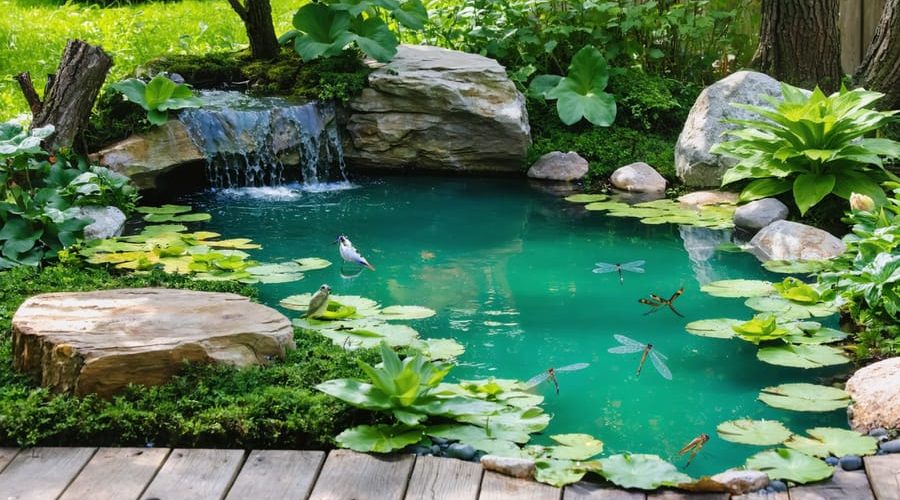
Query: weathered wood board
x: 347, y: 475
x: 198, y: 474
x: 442, y: 479
x: 116, y: 473
x: 42, y: 473
x: 499, y: 487
x: 277, y: 474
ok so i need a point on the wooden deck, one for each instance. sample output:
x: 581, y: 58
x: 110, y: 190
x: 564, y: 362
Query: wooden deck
x: 200, y: 474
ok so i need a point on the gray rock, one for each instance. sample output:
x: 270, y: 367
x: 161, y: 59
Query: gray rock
x: 739, y: 481
x: 704, y: 126
x: 421, y: 450
x: 851, y: 462
x: 878, y: 432
x: 759, y: 214
x: 438, y: 109
x: 832, y: 461
x: 638, y: 177
x: 107, y: 222
x: 875, y: 390
x: 892, y: 446
x: 460, y: 451
x: 435, y: 449
x: 702, y: 198
x: 559, y: 166
x: 785, y: 240
x: 515, y: 467
x: 778, y: 485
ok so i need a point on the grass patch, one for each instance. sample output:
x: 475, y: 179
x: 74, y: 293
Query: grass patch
x: 271, y: 406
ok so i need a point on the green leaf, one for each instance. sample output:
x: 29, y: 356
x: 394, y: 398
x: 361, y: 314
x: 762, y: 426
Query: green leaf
x: 541, y: 85
x: 755, y: 432
x: 411, y: 14
x: 312, y: 263
x: 157, y: 117
x: 809, y: 189
x: 797, y: 291
x: 323, y: 31
x: 133, y: 90
x: 379, y: 438
x: 804, y: 397
x: 195, y: 217
x: 738, y: 288
x: 575, y: 446
x: 558, y: 473
x: 787, y: 311
x: 646, y: 472
x: 445, y: 349
x: 405, y: 313
x: 797, y: 266
x: 716, y: 328
x: 827, y: 441
x: 586, y: 198
x: 356, y: 393
x: 158, y: 91
x: 374, y: 38
x: 787, y: 464
x: 802, y: 356
x: 764, y: 188
x: 165, y: 209
x: 580, y: 94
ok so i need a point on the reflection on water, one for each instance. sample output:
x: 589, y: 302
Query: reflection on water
x: 509, y: 270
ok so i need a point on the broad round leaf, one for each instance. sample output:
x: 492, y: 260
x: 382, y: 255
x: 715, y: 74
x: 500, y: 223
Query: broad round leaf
x: 165, y: 209
x: 405, y: 313
x: 445, y: 349
x: 558, y: 473
x: 787, y: 310
x: 802, y: 356
x: 755, y: 432
x: 379, y: 438
x: 586, y: 198
x: 738, y: 288
x: 721, y: 328
x: 646, y: 472
x: 792, y: 465
x: 312, y: 263
x: 194, y: 217
x: 374, y: 38
x: 827, y: 441
x: 575, y: 446
x: 804, y: 397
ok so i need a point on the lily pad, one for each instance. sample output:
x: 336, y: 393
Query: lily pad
x: 379, y: 438
x: 274, y: 273
x: 405, y: 313
x: 363, y: 306
x: 165, y: 209
x: 575, y: 446
x: 312, y: 263
x: 738, y: 288
x: 393, y: 335
x: 559, y: 473
x: 826, y: 441
x: 804, y: 397
x: 646, y: 472
x: 195, y: 217
x: 443, y: 349
x: 802, y: 356
x: 586, y: 198
x: 818, y: 334
x: 787, y: 310
x: 472, y: 434
x: 529, y: 420
x: 606, y: 205
x: 238, y: 243
x: 755, y: 432
x: 782, y: 463
x: 797, y: 266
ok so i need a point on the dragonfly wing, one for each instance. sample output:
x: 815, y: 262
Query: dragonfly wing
x: 634, y: 266
x: 625, y: 349
x: 628, y: 341
x: 603, y: 267
x: 660, y: 366
x: 572, y: 368
x: 537, y: 379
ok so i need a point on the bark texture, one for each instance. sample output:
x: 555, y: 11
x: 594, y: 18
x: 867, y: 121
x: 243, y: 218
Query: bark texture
x: 257, y: 17
x: 70, y: 93
x: 799, y: 43
x: 880, y: 69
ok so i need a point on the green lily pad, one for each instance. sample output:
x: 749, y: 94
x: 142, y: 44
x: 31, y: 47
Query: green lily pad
x: 165, y: 209
x: 818, y: 334
x: 575, y: 446
x: 379, y: 438
x: 393, y: 335
x: 529, y: 420
x: 755, y: 432
x: 721, y: 328
x: 274, y: 273
x: 364, y: 307
x: 606, y: 205
x: 826, y: 441
x: 804, y: 397
x: 797, y: 266
x: 738, y: 288
x: 196, y: 217
x: 238, y: 243
x: 558, y: 473
x: 646, y: 472
x: 405, y: 313
x: 312, y: 263
x: 586, y: 198
x: 444, y: 349
x: 473, y: 434
x: 782, y: 463
x: 802, y: 356
x: 787, y: 310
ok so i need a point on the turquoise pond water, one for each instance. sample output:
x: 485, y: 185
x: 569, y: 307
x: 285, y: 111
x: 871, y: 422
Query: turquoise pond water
x: 508, y: 269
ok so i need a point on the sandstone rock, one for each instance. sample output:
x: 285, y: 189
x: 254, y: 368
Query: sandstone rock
x: 515, y: 467
x: 438, y: 109
x: 559, y: 166
x: 144, y: 157
x: 786, y: 240
x: 875, y: 390
x: 107, y: 222
x: 759, y: 213
x: 695, y: 165
x: 639, y: 178
x: 98, y: 342
x: 703, y: 198
x: 738, y: 482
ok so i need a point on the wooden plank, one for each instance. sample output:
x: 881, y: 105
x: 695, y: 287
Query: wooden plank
x: 884, y: 476
x: 680, y: 495
x: 436, y: 478
x: 6, y: 456
x: 592, y: 491
x: 499, y: 487
x: 116, y: 473
x: 198, y: 474
x: 349, y: 475
x: 277, y: 474
x: 842, y: 485
x: 42, y: 473
x: 762, y: 495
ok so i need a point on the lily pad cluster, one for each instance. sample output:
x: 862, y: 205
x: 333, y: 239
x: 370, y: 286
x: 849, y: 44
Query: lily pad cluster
x: 661, y: 211
x: 783, y: 328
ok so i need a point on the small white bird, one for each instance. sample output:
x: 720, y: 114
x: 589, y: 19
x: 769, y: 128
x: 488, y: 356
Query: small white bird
x: 319, y: 302
x: 350, y: 254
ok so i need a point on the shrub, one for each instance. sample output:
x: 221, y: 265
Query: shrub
x: 651, y: 102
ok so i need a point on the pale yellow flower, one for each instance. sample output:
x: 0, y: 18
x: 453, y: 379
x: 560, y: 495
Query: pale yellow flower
x: 861, y: 202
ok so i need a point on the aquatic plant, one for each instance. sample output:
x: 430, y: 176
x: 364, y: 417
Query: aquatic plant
x: 753, y: 432
x: 804, y: 397
x: 646, y: 472
x: 782, y: 463
x: 830, y: 441
x: 662, y: 211
x: 158, y: 96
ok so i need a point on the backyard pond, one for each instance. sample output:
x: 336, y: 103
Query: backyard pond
x: 508, y: 268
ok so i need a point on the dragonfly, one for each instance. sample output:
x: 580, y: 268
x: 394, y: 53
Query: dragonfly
x: 633, y: 267
x: 629, y: 346
x: 655, y: 302
x: 694, y: 447
x: 550, y: 373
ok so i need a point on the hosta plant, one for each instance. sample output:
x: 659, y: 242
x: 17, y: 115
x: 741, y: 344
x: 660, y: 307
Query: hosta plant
x: 579, y: 95
x: 158, y: 96
x: 813, y: 145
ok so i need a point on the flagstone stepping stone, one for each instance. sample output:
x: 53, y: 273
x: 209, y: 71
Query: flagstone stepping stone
x: 99, y: 342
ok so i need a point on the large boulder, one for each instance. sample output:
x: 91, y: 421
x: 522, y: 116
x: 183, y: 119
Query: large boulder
x: 107, y: 222
x: 875, y: 391
x: 438, y: 109
x: 559, y: 166
x: 759, y: 213
x: 144, y: 157
x: 99, y: 342
x: 786, y: 240
x: 638, y: 177
x: 704, y: 126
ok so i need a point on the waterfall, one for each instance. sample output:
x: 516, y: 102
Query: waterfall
x: 266, y: 141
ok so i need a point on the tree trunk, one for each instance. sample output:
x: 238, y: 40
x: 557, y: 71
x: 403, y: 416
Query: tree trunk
x: 257, y: 17
x: 70, y: 93
x: 800, y: 44
x: 880, y: 69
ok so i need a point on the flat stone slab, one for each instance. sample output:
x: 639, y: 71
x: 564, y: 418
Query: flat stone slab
x: 99, y: 342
